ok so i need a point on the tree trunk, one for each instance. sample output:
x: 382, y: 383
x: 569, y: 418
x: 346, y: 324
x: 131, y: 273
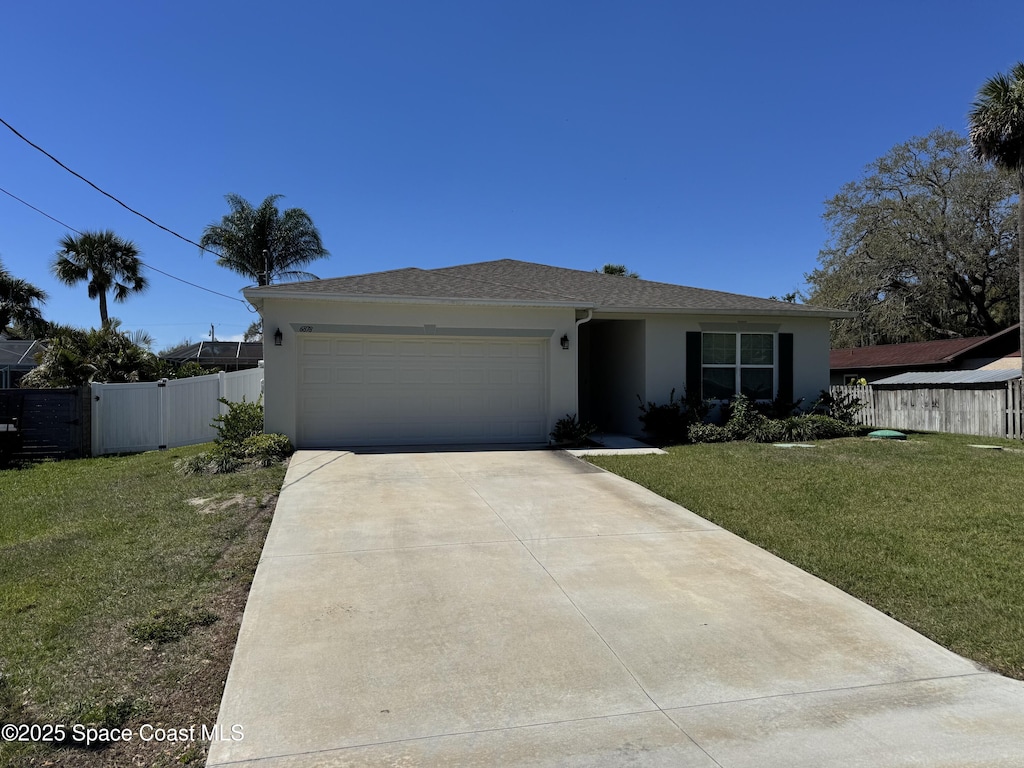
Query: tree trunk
x: 1020, y: 256
x: 103, y: 308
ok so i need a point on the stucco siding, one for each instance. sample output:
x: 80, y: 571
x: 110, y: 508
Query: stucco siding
x: 293, y: 317
x: 666, y: 350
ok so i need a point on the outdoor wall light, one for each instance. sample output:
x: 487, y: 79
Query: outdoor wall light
x: 565, y: 341
x: 278, y: 337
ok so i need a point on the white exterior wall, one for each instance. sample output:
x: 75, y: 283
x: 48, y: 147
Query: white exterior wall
x: 281, y: 378
x: 666, y: 350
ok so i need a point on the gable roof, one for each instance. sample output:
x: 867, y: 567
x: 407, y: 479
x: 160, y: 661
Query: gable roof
x: 512, y: 282
x: 923, y: 353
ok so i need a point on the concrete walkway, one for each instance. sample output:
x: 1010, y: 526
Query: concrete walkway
x: 522, y: 608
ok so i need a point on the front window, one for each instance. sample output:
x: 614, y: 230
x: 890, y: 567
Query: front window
x: 738, y: 362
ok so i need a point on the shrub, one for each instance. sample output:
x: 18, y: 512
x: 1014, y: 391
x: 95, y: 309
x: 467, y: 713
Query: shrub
x: 708, y: 433
x: 242, y: 420
x: 826, y: 427
x: 221, y: 459
x: 570, y: 431
x: 264, y: 450
x: 843, y: 407
x: 670, y: 422
x: 747, y: 423
x: 779, y: 408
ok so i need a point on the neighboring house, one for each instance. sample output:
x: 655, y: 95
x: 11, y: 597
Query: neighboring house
x: 1000, y: 351
x: 226, y: 355
x: 17, y: 357
x: 497, y: 352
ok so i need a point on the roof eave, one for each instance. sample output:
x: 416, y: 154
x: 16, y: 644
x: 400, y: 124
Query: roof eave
x: 831, y: 314
x: 256, y: 297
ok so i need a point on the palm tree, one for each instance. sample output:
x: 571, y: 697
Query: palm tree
x: 617, y: 269
x: 105, y: 262
x: 18, y: 300
x: 997, y: 134
x: 264, y: 244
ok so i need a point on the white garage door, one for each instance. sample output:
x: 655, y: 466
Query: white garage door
x: 409, y: 390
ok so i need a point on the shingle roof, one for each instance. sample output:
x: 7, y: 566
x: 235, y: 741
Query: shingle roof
x: 526, y: 283
x: 917, y: 353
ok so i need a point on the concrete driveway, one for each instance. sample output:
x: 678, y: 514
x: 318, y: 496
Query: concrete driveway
x: 523, y: 608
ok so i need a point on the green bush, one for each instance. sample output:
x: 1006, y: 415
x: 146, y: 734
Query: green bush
x: 264, y: 450
x: 242, y: 420
x: 843, y: 407
x: 825, y: 427
x: 746, y: 422
x: 570, y: 431
x: 669, y: 423
x: 219, y: 460
x: 708, y: 433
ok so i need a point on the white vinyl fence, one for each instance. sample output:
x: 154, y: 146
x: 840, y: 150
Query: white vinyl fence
x: 990, y: 412
x: 167, y: 413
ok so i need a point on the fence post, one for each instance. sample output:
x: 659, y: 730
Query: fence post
x: 163, y: 404
x: 96, y: 410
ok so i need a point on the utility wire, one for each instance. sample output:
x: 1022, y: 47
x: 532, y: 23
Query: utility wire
x: 102, y: 191
x: 148, y: 266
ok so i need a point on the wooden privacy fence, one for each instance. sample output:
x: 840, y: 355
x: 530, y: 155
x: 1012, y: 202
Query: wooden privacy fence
x: 985, y: 411
x: 50, y: 423
x: 167, y: 413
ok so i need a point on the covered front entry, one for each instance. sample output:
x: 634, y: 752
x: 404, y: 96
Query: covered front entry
x: 383, y: 389
x: 612, y: 355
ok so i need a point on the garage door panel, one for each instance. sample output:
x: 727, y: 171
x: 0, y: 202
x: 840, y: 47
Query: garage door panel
x: 349, y: 375
x: 347, y: 348
x: 312, y: 347
x: 415, y: 390
x: 316, y: 375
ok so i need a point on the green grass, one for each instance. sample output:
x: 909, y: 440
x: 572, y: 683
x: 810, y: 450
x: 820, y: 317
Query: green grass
x: 115, y: 591
x: 930, y: 531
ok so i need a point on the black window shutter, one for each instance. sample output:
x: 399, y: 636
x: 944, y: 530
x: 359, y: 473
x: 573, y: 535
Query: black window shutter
x: 693, y: 361
x: 786, y: 367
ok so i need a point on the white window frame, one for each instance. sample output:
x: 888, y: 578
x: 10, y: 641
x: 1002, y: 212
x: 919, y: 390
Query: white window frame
x: 739, y: 366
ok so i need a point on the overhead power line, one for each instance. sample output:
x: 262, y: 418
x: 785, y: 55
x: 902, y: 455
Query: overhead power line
x: 148, y: 266
x: 124, y: 205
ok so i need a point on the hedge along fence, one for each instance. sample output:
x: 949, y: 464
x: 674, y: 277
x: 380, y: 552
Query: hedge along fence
x: 987, y: 411
x: 165, y: 414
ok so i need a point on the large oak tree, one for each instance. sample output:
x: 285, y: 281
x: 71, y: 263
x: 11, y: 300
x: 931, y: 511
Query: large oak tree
x: 923, y: 246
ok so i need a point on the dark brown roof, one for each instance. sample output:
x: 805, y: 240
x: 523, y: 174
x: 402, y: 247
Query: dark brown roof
x: 920, y: 353
x: 529, y: 284
x: 218, y: 353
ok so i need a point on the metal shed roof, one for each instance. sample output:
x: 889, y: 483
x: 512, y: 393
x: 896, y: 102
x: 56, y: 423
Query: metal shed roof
x: 946, y: 378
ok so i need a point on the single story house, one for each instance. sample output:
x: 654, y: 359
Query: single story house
x: 1000, y: 351
x: 498, y: 351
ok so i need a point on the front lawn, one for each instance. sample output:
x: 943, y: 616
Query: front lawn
x: 930, y: 531
x: 121, y: 590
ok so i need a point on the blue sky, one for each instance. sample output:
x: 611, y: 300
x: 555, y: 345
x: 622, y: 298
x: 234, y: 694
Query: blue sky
x: 695, y: 143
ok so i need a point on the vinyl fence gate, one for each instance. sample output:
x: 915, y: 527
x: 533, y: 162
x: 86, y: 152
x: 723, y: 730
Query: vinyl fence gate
x: 127, y: 418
